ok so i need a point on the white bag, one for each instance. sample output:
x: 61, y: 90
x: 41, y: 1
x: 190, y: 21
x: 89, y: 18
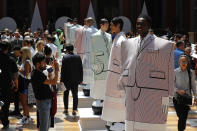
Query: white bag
x: 31, y: 97
x: 63, y: 88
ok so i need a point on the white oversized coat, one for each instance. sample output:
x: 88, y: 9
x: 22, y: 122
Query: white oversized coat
x: 87, y: 74
x: 114, y: 107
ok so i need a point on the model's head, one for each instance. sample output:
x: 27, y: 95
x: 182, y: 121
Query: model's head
x: 183, y: 62
x: 39, y: 61
x: 104, y: 24
x: 116, y: 25
x: 75, y: 21
x: 143, y: 24
x: 89, y: 21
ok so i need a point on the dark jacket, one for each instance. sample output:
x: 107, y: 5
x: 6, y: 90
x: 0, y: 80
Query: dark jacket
x: 72, y: 69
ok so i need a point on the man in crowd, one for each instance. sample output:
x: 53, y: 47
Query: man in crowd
x: 71, y: 76
x: 42, y: 91
x: 180, y: 46
x: 50, y: 43
x: 8, y: 79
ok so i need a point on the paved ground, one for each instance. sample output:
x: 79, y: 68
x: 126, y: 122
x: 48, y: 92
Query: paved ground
x: 63, y: 123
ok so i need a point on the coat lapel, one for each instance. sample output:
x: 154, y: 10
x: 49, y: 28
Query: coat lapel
x: 146, y: 43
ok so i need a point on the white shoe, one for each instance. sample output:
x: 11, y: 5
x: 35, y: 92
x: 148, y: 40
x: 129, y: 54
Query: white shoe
x: 24, y: 120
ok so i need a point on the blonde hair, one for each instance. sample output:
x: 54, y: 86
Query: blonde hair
x: 38, y: 49
x: 26, y: 54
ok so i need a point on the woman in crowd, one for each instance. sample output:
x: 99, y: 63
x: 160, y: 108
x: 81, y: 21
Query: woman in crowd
x: 39, y: 46
x: 24, y: 81
x: 184, y: 84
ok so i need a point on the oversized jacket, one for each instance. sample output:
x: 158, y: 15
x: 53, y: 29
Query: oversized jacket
x: 67, y: 27
x: 88, y: 76
x: 79, y: 40
x: 100, y: 51
x: 147, y: 76
x: 114, y: 108
x: 72, y: 33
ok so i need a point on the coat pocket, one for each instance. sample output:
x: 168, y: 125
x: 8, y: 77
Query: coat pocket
x: 157, y: 74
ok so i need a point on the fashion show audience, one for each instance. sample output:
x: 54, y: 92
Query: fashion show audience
x: 29, y: 68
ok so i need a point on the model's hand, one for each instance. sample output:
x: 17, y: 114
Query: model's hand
x: 181, y: 92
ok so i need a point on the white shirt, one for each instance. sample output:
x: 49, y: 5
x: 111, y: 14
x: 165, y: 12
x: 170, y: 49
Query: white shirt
x: 53, y: 48
x: 32, y: 51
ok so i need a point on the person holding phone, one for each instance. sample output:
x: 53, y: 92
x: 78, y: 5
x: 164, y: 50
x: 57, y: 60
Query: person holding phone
x: 41, y: 87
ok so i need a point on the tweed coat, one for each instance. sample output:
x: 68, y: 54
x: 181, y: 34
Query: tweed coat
x: 114, y: 108
x: 147, y: 76
x: 100, y: 50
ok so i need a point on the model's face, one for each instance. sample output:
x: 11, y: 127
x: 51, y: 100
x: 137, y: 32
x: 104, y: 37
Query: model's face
x: 183, y: 63
x: 105, y: 27
x: 142, y: 26
x: 114, y: 29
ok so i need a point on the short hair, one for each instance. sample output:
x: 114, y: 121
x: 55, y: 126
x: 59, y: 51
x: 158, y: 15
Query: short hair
x: 90, y: 20
x: 179, y: 43
x: 4, y: 46
x: 47, y: 50
x: 30, y: 41
x: 177, y: 35
x: 38, y: 57
x: 117, y: 21
x: 75, y: 20
x: 104, y: 21
x: 147, y: 17
x: 69, y: 47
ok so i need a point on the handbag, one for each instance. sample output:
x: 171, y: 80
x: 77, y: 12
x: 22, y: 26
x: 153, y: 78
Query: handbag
x: 31, y: 97
x: 185, y: 99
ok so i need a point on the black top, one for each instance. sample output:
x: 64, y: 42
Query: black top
x: 7, y: 68
x: 41, y: 90
x: 72, y: 69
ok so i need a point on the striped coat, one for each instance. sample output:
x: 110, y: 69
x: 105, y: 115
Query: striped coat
x: 114, y: 108
x: 148, y: 79
x: 79, y: 40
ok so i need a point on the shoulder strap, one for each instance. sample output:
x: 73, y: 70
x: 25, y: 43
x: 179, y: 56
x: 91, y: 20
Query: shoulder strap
x: 190, y: 84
